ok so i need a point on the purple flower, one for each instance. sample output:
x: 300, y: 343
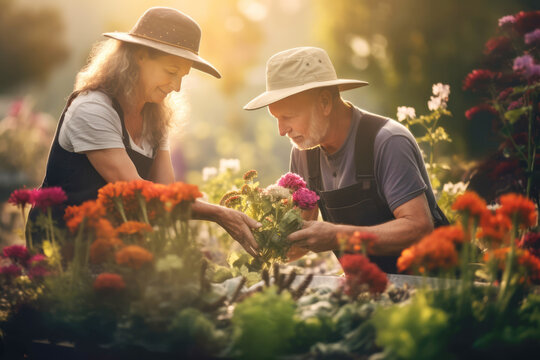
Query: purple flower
x: 508, y: 19
x: 305, y: 198
x: 11, y: 270
x: 47, y: 197
x: 292, y: 181
x: 16, y: 253
x: 533, y: 37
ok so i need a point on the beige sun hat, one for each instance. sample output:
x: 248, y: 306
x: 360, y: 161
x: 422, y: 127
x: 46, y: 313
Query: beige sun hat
x: 171, y: 31
x: 295, y: 70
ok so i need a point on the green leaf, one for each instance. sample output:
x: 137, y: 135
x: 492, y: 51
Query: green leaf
x: 513, y: 115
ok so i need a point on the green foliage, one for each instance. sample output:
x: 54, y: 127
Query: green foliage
x: 412, y: 331
x: 263, y: 325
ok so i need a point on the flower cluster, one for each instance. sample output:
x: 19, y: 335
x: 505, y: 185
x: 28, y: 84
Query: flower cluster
x: 359, y: 241
x: 17, y: 261
x: 109, y: 282
x: 277, y: 207
x: 41, y: 198
x: 362, y: 275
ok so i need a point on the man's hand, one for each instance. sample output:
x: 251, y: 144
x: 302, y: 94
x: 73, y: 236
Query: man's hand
x: 316, y: 236
x: 239, y: 226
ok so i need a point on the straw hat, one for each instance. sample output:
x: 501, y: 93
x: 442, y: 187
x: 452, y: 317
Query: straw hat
x: 295, y: 70
x: 171, y: 31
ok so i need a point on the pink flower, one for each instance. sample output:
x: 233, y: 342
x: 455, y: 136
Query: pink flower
x: 292, y: 181
x: 16, y: 253
x: 305, y: 198
x: 508, y: 19
x: 11, y: 270
x: 20, y: 197
x: 533, y: 37
x: 38, y: 272
x: 37, y: 259
x: 47, y: 197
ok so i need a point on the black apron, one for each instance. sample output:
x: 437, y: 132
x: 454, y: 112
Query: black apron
x: 76, y: 176
x: 359, y: 204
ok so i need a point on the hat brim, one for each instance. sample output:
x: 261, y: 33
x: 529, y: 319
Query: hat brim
x: 198, y: 62
x: 270, y: 97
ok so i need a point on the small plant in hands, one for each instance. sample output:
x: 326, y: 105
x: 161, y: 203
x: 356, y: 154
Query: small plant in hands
x: 277, y: 207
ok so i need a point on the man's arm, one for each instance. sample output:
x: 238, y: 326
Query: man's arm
x: 412, y: 221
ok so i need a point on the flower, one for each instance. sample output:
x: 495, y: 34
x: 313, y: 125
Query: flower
x: 452, y: 233
x: 233, y: 201
x: 209, y: 172
x: 90, y: 210
x: 103, y: 249
x: 277, y: 192
x: 404, y: 112
x: 495, y: 228
x: 359, y: 272
x: 441, y: 90
x: 21, y: 197
x: 526, y: 261
x: 455, y: 188
x: 38, y: 271
x: 470, y: 203
x: 250, y: 175
x: 505, y: 20
x: 229, y: 164
x: 481, y: 111
x: 11, y: 270
x: 46, y: 197
x: 109, y: 282
x: 503, y: 95
x: 516, y: 104
x: 17, y: 253
x: 526, y: 22
x: 520, y: 208
x: 134, y: 256
x: 524, y: 65
x: 436, y: 102
x: 358, y: 241
x: 177, y: 193
x: 305, y: 198
x: 37, y: 259
x: 498, y: 46
x: 133, y: 227
x: 533, y: 37
x: 292, y: 181
x: 531, y: 242
x: 478, y: 80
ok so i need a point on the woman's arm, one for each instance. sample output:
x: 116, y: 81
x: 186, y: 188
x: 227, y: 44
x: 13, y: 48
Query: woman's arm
x: 162, y: 170
x: 113, y: 164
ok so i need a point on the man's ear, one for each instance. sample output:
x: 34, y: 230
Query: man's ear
x: 326, y: 101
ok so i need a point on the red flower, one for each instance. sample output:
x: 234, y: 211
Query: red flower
x: 17, y: 253
x: 107, y: 282
x: 498, y: 46
x: 481, y: 111
x: 360, y: 273
x: 531, y: 242
x: 478, y: 80
x: 519, y: 207
x: 21, y: 197
x: 37, y: 272
x: 495, y: 228
x: 503, y: 95
x: 46, y: 197
x: 505, y: 167
x: 11, y: 270
x: 526, y: 22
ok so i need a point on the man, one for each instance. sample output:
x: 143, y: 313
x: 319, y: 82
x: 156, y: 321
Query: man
x: 367, y: 169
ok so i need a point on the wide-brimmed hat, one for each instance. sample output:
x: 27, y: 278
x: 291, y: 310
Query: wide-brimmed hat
x: 295, y: 70
x: 171, y: 31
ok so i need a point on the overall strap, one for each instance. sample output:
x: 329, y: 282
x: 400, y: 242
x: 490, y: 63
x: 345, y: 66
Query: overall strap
x: 366, y: 132
x: 314, y: 169
x: 70, y: 99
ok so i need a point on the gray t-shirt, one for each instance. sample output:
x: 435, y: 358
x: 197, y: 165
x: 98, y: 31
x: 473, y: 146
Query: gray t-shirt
x: 92, y: 123
x: 399, y: 167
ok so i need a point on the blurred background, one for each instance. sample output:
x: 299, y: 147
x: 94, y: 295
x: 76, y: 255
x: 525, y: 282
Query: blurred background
x: 401, y: 47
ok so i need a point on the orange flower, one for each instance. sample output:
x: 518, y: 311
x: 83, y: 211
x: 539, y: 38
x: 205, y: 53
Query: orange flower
x: 90, y: 210
x: 360, y: 272
x: 519, y: 206
x: 495, y: 228
x: 452, y: 232
x: 103, y: 249
x: 109, y: 282
x: 433, y: 252
x: 470, y: 203
x: 104, y: 229
x: 178, y: 192
x: 527, y: 262
x: 133, y: 227
x: 134, y: 256
x: 358, y: 241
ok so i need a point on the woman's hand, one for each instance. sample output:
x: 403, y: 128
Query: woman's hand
x: 239, y: 226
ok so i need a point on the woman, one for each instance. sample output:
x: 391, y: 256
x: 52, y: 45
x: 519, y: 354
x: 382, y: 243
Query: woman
x: 114, y: 126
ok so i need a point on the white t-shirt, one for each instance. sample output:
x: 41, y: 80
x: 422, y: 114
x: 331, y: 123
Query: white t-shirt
x: 91, y: 123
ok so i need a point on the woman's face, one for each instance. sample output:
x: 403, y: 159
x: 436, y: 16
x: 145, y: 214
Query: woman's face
x: 160, y: 75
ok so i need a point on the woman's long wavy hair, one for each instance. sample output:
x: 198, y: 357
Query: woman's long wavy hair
x: 112, y: 69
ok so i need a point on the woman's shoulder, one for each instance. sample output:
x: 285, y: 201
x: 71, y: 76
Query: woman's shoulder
x: 92, y: 102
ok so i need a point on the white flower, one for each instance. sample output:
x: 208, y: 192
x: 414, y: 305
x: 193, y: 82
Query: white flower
x: 404, y: 112
x: 208, y: 173
x: 277, y: 192
x: 455, y: 189
x: 436, y: 103
x: 441, y: 90
x: 229, y: 164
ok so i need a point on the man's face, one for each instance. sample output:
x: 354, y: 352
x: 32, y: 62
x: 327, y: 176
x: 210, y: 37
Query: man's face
x: 300, y: 119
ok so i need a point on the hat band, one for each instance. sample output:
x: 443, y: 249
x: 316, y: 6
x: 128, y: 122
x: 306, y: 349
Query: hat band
x: 164, y: 42
x: 287, y: 83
